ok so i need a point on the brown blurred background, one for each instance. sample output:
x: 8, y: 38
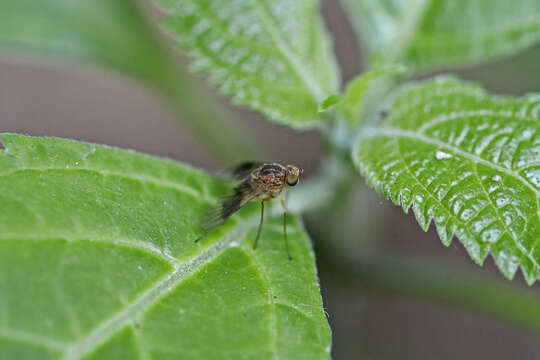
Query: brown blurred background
x: 44, y: 98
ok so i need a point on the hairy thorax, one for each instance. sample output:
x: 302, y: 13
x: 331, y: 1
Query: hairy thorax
x: 269, y: 180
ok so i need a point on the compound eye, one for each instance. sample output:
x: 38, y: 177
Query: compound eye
x: 292, y: 180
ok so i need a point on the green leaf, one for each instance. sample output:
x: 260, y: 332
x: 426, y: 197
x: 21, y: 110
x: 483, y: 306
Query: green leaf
x: 351, y: 103
x: 330, y: 102
x: 274, y: 56
x: 426, y: 34
x: 466, y: 159
x: 98, y: 261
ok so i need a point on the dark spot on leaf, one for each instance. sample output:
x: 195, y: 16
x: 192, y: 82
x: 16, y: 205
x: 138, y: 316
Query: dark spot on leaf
x: 383, y: 114
x: 137, y: 325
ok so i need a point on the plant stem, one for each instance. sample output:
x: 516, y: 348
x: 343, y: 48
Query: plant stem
x: 435, y: 283
x: 322, y: 190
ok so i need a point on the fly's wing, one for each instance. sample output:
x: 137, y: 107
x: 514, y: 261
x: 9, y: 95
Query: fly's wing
x: 243, y: 170
x: 243, y: 193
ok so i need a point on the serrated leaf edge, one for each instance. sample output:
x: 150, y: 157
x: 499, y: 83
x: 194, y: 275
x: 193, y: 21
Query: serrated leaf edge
x: 441, y: 229
x: 288, y: 55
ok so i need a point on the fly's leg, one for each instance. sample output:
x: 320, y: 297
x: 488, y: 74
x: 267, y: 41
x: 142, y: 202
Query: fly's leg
x: 260, y: 226
x: 262, y: 200
x: 285, y: 227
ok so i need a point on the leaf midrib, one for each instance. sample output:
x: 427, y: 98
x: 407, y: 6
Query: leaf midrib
x: 291, y: 57
x: 389, y: 131
x: 142, y: 179
x: 288, y: 54
x: 149, y: 297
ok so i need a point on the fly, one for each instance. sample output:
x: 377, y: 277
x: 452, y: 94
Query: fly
x: 260, y: 182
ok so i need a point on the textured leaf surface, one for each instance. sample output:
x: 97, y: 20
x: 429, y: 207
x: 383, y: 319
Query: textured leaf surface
x: 468, y: 160
x: 425, y: 34
x: 98, y: 261
x: 274, y: 56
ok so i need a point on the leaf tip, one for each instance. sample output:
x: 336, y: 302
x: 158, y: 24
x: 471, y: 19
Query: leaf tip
x: 446, y: 234
x: 530, y: 278
x: 329, y: 103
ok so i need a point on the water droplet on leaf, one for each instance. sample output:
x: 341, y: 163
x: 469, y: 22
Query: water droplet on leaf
x: 441, y: 155
x: 501, y: 201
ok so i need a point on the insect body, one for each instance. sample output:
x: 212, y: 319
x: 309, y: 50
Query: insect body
x: 257, y: 182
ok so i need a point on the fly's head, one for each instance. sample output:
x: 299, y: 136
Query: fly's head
x: 293, y: 174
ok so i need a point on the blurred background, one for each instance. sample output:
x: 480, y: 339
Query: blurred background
x: 42, y: 96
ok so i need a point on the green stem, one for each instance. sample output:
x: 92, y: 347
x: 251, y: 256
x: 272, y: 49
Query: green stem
x: 435, y: 283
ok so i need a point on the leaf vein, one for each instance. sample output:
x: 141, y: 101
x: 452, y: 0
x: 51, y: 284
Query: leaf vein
x: 142, y: 179
x: 25, y: 337
x: 441, y: 119
x: 288, y: 54
x: 396, y: 132
x: 129, y: 243
x: 506, y: 229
